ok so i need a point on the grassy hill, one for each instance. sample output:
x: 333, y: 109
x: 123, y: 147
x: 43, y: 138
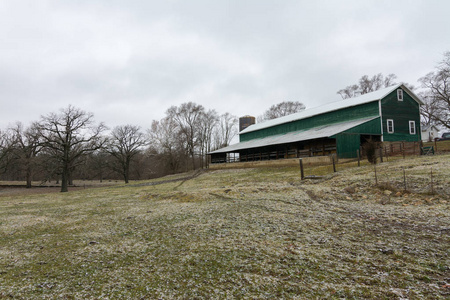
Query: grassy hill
x: 236, y: 234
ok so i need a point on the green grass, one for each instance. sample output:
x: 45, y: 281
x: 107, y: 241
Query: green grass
x: 234, y: 234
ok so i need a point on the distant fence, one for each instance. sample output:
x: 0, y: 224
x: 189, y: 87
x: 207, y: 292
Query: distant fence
x: 275, y: 155
x: 387, y: 149
x: 289, y: 162
x: 384, y: 151
x: 429, y: 180
x: 316, y: 167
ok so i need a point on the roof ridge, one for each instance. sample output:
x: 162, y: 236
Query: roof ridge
x: 329, y: 107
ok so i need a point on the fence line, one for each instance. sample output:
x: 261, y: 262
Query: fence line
x: 385, y: 150
x: 415, y: 181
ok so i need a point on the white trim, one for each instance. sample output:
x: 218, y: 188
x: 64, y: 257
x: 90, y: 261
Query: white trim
x: 387, y: 125
x: 413, y: 131
x: 399, y: 94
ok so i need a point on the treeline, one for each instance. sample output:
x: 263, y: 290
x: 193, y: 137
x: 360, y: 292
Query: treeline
x: 69, y: 144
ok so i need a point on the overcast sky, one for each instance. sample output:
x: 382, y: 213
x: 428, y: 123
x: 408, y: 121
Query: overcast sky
x: 129, y: 61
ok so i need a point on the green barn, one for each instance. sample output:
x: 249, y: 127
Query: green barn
x: 386, y: 115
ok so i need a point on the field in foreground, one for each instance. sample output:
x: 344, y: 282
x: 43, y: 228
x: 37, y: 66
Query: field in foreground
x: 236, y: 234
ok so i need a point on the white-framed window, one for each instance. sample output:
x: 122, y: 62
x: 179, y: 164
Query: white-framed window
x: 412, y: 127
x: 390, y: 126
x: 400, y: 95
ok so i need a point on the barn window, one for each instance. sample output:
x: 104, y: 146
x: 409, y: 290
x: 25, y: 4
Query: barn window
x: 412, y: 127
x: 390, y: 126
x: 400, y: 95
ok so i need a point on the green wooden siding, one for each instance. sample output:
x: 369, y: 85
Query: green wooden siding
x: 401, y: 112
x: 349, y: 141
x: 347, y: 144
x: 347, y: 114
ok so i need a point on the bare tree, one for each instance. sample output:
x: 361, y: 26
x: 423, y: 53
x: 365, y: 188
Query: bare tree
x: 3, y: 150
x: 27, y: 145
x: 69, y: 135
x: 206, y: 124
x: 368, y: 84
x: 50, y: 164
x: 6, y: 144
x: 167, y: 143
x: 429, y: 109
x: 349, y: 92
x: 98, y: 163
x: 282, y: 109
x: 187, y: 116
x: 226, y: 130
x: 124, y: 144
x: 437, y: 93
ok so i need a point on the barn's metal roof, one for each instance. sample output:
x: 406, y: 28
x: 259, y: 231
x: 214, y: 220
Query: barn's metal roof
x: 296, y: 136
x: 366, y: 98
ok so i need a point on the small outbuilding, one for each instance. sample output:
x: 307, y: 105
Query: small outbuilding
x: 386, y: 115
x: 429, y: 133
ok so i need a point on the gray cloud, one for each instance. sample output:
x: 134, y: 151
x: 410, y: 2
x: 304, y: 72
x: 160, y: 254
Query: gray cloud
x: 128, y: 61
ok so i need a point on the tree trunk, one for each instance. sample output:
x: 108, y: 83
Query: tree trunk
x: 193, y: 160
x: 126, y: 170
x: 28, y: 176
x: 64, y: 179
x: 65, y: 170
x: 70, y: 178
x: 125, y: 174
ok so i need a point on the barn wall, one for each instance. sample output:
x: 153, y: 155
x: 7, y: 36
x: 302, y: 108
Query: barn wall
x: 372, y: 127
x: 349, y: 141
x: 401, y: 112
x: 347, y: 144
x: 347, y: 114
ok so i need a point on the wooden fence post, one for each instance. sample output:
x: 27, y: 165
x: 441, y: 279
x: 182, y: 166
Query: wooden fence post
x: 359, y: 157
x: 334, y: 164
x: 302, y: 174
x: 404, y: 178
x: 375, y: 169
x: 381, y: 154
x: 431, y: 181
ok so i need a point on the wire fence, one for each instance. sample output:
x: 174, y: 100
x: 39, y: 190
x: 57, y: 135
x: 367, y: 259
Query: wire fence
x: 421, y: 178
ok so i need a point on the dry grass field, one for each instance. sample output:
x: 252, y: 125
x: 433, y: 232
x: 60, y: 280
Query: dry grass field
x: 236, y: 234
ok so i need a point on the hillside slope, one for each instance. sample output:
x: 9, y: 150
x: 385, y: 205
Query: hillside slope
x: 236, y: 234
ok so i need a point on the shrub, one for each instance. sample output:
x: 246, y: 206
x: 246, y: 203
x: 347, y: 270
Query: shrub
x: 370, y: 147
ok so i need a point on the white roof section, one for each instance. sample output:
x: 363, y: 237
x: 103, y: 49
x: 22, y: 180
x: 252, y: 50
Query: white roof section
x: 296, y: 136
x: 426, y: 127
x: 366, y: 98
